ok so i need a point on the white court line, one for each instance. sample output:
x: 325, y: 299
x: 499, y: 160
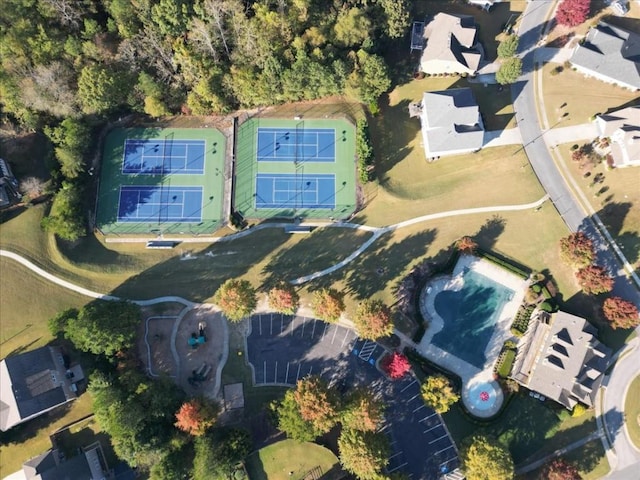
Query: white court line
x: 419, y: 408
x: 415, y: 381
x: 334, y: 335
x: 438, y: 439
x: 345, y: 336
x: 432, y: 428
x: 398, y: 467
x: 444, y: 450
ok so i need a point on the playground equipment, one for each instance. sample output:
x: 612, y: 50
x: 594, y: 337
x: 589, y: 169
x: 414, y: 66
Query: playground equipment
x: 199, y: 375
x: 199, y: 338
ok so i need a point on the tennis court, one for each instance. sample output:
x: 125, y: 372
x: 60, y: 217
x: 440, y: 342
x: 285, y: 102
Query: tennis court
x: 153, y: 157
x: 140, y: 203
x: 296, y: 145
x: 281, y: 190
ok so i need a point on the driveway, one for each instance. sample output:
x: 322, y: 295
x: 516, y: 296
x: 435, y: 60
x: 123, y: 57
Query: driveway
x: 283, y: 349
x: 575, y: 133
x: 496, y: 138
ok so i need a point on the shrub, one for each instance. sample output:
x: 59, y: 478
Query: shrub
x: 578, y: 410
x: 536, y: 288
x: 547, y: 307
x: 364, y: 151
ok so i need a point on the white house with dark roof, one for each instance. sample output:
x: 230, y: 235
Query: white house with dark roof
x: 622, y: 127
x: 560, y: 357
x: 34, y: 383
x: 451, y: 45
x: 610, y: 54
x: 451, y: 122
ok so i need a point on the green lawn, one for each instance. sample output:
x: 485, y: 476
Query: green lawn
x: 632, y: 411
x: 290, y: 460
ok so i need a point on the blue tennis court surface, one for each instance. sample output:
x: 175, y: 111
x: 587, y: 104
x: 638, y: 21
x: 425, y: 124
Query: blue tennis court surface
x: 164, y: 156
x: 280, y: 190
x: 296, y: 145
x: 160, y: 204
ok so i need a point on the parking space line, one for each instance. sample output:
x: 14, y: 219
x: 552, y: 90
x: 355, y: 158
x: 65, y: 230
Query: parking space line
x: 313, y: 332
x: 275, y: 379
x: 450, y: 460
x: 310, y: 368
x: 324, y: 332
x: 428, y: 417
x: 432, y: 428
x: 439, y: 438
x: 304, y: 320
x: 395, y: 455
x: 419, y: 408
x: 293, y: 321
x: 264, y: 372
x: 260, y: 323
x: 443, y: 450
x: 271, y: 324
x: 414, y: 397
x: 281, y: 324
x: 415, y: 381
x: 286, y: 377
x: 298, y: 374
x: 345, y: 336
x: 386, y: 425
x: 398, y: 467
x: 335, y: 330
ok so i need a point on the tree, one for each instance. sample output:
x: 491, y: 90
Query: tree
x: 218, y: 452
x: 103, y: 327
x: 373, y: 320
x: 72, y: 140
x: 32, y: 187
x: 283, y: 298
x: 509, y: 47
x: 466, y: 245
x: 236, y: 298
x: 395, y: 365
x: 509, y: 71
x: 101, y: 89
x: 362, y: 412
x: 65, y: 218
x: 621, y: 313
x: 352, y: 27
x: 577, y: 250
x: 483, y: 458
x: 290, y: 420
x: 369, y: 78
x: 594, y: 280
x: 58, y: 324
x: 572, y: 12
x: 438, y: 393
x: 196, y: 416
x: 174, y: 465
x: 560, y: 469
x: 397, y: 13
x: 365, y: 454
x: 328, y: 304
x: 317, y: 403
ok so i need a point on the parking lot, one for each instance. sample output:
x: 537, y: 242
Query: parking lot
x: 283, y: 349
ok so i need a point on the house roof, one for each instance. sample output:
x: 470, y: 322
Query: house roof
x: 450, y: 38
x: 561, y: 358
x: 49, y: 466
x: 612, y: 52
x: 623, y: 128
x: 30, y: 383
x: 451, y: 121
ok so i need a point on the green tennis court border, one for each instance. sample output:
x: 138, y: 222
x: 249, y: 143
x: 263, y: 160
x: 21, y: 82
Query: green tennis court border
x: 247, y: 167
x: 111, y: 178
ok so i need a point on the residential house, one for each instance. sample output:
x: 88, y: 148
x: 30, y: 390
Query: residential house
x: 622, y: 127
x: 560, y: 358
x: 9, y: 193
x: 451, y: 122
x: 484, y: 4
x: 34, y: 383
x: 610, y: 54
x: 451, y: 45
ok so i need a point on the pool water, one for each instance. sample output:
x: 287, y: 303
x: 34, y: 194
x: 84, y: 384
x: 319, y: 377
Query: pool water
x: 469, y: 316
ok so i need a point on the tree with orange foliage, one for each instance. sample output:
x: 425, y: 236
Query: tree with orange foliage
x: 559, y: 469
x: 196, y: 416
x: 236, y: 298
x: 395, y: 365
x: 620, y: 313
x: 317, y: 403
x: 363, y: 412
x: 283, y: 298
x: 594, y: 280
x: 373, y: 320
x: 577, y: 249
x: 328, y: 304
x: 466, y: 245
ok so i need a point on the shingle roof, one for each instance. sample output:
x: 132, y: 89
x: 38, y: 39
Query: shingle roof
x: 451, y: 121
x: 612, y: 52
x: 450, y: 39
x: 623, y: 128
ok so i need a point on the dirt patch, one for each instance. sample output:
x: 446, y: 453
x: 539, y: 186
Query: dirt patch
x: 202, y: 359
x: 158, y: 346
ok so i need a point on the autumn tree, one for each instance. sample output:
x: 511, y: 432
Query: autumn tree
x: 290, y: 419
x: 509, y: 71
x: 594, y: 280
x: 572, y: 12
x: 328, y: 304
x: 196, y: 416
x: 577, y: 249
x: 395, y: 365
x: 621, y: 313
x: 438, y: 393
x: 466, y: 245
x: 283, y: 298
x: 236, y: 298
x: 373, y: 320
x: 317, y: 403
x: 484, y: 458
x: 362, y: 412
x: 365, y: 454
x: 32, y: 187
x: 560, y: 469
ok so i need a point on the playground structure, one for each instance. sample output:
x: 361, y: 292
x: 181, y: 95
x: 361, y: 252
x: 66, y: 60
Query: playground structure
x: 198, y: 338
x: 199, y: 375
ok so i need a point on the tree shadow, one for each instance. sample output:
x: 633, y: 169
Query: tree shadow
x: 613, y: 215
x: 491, y: 99
x: 487, y: 236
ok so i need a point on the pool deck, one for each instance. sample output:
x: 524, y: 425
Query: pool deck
x: 471, y: 376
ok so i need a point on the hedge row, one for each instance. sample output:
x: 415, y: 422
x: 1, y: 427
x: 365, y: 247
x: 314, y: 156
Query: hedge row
x: 521, y: 322
x: 507, y: 265
x: 364, y: 151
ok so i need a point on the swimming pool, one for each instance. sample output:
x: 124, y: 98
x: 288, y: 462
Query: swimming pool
x: 470, y: 314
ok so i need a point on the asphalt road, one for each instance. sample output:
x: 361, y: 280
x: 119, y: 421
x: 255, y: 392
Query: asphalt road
x: 524, y: 102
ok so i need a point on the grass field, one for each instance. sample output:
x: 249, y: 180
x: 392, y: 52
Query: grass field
x: 617, y: 207
x: 632, y: 411
x: 592, y: 98
x: 290, y: 460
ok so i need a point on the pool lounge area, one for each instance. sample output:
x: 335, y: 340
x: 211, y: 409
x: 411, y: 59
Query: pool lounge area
x: 468, y: 316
